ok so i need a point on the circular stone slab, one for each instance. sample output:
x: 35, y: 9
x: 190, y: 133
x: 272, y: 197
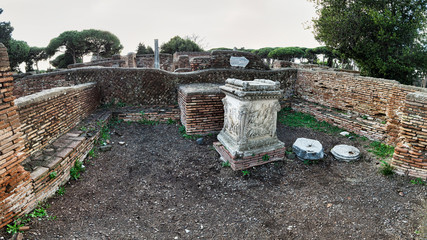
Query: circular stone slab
x: 345, y: 153
x: 308, y: 149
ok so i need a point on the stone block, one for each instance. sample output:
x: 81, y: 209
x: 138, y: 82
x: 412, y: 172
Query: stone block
x: 308, y: 149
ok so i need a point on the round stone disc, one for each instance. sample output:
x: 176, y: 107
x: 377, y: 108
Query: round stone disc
x: 345, y: 153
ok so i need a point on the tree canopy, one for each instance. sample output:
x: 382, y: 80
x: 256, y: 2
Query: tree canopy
x: 178, y: 44
x: 101, y: 43
x: 35, y: 55
x: 5, y: 32
x: 63, y: 60
x: 18, y: 52
x: 142, y: 49
x: 385, y: 37
x: 286, y: 53
x: 77, y: 44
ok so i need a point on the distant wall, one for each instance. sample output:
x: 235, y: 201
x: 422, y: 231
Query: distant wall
x: 221, y: 59
x: 47, y: 115
x: 147, y: 61
x: 148, y: 86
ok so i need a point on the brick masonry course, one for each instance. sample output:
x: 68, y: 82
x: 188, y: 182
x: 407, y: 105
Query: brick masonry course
x: 201, y: 108
x: 48, y: 114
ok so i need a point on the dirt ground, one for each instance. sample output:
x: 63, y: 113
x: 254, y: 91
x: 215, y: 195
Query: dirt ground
x: 162, y: 186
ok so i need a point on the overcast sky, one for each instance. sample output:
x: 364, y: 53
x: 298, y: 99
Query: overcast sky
x: 221, y: 23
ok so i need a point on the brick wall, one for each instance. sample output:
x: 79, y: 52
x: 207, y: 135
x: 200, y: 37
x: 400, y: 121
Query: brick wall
x: 50, y: 113
x: 35, y: 83
x: 152, y: 113
x: 14, y: 180
x: 202, y: 110
x: 147, y: 61
x: 102, y: 63
x: 180, y: 62
x: 372, y: 99
x: 410, y: 156
x: 200, y: 63
x: 149, y: 86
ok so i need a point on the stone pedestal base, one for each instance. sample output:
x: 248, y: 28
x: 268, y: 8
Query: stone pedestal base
x: 239, y: 163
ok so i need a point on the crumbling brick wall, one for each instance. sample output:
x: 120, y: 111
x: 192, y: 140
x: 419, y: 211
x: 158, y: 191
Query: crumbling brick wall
x: 147, y: 61
x: 148, y: 86
x: 48, y: 114
x: 378, y: 103
x: 14, y: 180
x: 410, y: 156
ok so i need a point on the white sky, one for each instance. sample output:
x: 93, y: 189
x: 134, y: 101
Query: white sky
x: 221, y: 23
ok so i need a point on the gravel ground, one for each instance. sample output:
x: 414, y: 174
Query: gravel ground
x: 159, y: 185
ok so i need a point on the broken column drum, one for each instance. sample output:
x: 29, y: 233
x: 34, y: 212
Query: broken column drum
x: 249, y: 137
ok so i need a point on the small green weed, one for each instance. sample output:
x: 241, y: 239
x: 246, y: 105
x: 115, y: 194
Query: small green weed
x: 148, y: 122
x: 76, y: 170
x: 364, y: 117
x: 92, y: 153
x: 83, y: 129
x: 386, y: 169
x: 170, y: 121
x: 381, y: 150
x: 418, y: 181
x: 184, y: 134
x: 265, y: 158
x: 60, y: 191
x: 246, y: 173
x: 53, y: 175
x: 12, y: 229
x: 121, y: 104
x: 39, y: 213
x: 226, y: 164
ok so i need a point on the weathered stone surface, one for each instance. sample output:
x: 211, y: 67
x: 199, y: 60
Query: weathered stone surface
x: 105, y: 148
x: 250, y: 115
x: 308, y: 149
x: 346, y: 153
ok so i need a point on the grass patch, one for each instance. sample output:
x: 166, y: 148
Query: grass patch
x: 148, y: 122
x: 386, y: 169
x: 381, y: 150
x: 291, y: 118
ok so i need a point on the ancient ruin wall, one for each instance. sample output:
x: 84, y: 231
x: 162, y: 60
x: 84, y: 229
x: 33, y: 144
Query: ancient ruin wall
x: 47, y: 115
x: 377, y: 103
x: 148, y: 86
x: 15, y: 182
x: 31, y: 84
x: 410, y: 156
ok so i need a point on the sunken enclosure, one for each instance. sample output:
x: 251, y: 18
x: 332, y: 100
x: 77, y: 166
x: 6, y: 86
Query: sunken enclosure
x: 40, y: 144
